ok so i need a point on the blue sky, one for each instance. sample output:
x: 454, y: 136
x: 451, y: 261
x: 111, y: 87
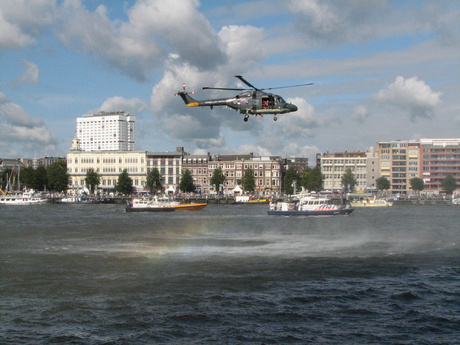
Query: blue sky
x: 382, y: 70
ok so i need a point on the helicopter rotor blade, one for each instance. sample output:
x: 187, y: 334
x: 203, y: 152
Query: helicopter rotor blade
x: 222, y: 88
x: 285, y: 87
x: 246, y: 82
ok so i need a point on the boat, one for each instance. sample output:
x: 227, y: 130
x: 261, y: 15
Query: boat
x: 247, y: 200
x: 149, y: 205
x: 26, y: 198
x: 181, y: 205
x: 188, y: 207
x: 75, y: 199
x: 367, y: 202
x: 308, y: 206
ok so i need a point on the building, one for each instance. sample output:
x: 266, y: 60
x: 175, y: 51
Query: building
x: 439, y: 158
x: 267, y: 172
x: 46, y: 161
x: 372, y: 164
x: 169, y: 164
x: 333, y: 167
x: 198, y: 166
x: 109, y: 165
x: 298, y: 163
x: 399, y: 163
x: 104, y: 131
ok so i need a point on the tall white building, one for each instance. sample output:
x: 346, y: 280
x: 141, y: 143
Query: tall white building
x: 107, y: 131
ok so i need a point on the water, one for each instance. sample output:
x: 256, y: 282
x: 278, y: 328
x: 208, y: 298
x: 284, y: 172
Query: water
x: 93, y: 274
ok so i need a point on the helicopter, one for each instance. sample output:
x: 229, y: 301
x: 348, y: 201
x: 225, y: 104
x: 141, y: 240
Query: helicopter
x: 253, y: 101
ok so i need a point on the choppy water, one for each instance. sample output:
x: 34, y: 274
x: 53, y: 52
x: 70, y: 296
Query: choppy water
x: 93, y: 274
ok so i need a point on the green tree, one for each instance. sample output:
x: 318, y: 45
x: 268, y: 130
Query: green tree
x: 153, y: 183
x: 248, y: 181
x: 41, y: 179
x: 382, y: 183
x: 28, y: 177
x: 417, y: 184
x: 291, y: 179
x: 449, y: 184
x: 92, y: 180
x: 58, y: 177
x: 124, y: 184
x: 348, y: 180
x: 312, y: 179
x: 217, y: 178
x: 186, y: 183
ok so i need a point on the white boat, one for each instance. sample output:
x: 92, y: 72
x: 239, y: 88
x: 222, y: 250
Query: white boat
x: 26, y: 198
x: 149, y: 205
x: 367, y: 202
x: 309, y: 206
x: 247, y: 200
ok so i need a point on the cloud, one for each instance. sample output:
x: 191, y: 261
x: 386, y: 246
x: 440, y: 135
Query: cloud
x: 360, y: 113
x: 20, y: 131
x: 300, y: 123
x: 133, y: 106
x: 29, y: 77
x: 154, y: 28
x: 21, y: 21
x: 411, y: 95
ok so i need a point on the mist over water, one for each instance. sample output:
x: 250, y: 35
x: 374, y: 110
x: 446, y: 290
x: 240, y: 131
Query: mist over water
x: 93, y: 274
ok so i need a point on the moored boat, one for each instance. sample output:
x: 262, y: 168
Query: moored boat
x: 189, y: 207
x: 371, y: 203
x: 309, y: 206
x: 26, y: 198
x: 247, y: 200
x: 149, y: 205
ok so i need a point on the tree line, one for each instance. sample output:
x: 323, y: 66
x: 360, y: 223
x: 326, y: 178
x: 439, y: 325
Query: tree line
x: 56, y: 178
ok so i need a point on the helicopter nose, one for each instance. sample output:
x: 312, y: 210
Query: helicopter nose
x: 292, y: 107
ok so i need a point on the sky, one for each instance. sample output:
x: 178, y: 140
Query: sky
x: 381, y: 70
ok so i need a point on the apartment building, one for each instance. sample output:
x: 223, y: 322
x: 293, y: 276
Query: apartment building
x: 107, y: 131
x: 399, y: 163
x: 438, y: 159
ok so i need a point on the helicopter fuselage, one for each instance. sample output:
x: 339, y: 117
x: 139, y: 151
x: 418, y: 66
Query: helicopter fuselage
x: 253, y: 103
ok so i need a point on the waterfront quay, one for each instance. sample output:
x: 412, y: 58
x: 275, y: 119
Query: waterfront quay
x: 189, y: 199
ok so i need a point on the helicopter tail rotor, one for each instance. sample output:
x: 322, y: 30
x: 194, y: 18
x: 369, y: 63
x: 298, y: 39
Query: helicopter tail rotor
x: 186, y: 98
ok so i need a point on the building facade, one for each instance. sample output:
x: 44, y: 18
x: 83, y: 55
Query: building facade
x: 109, y: 165
x: 333, y: 167
x: 268, y: 172
x: 438, y: 159
x: 107, y: 131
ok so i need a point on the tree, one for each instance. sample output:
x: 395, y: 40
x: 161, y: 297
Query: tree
x: 186, y: 183
x: 218, y: 178
x: 382, y: 183
x: 248, y: 181
x: 312, y: 179
x: 349, y: 180
x: 153, y: 183
x: 41, y: 178
x: 58, y: 177
x: 291, y: 180
x: 417, y: 184
x: 92, y: 180
x: 449, y: 184
x: 124, y: 184
x: 28, y: 177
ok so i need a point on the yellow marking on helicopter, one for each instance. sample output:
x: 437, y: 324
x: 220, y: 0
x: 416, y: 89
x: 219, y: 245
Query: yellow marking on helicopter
x: 193, y: 104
